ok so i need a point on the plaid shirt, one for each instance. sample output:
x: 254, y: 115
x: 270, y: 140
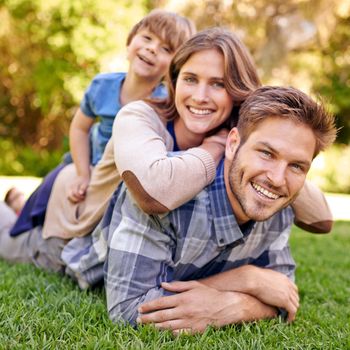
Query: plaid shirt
x: 199, y: 239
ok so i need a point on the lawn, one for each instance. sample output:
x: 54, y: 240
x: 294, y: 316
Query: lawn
x: 39, y: 310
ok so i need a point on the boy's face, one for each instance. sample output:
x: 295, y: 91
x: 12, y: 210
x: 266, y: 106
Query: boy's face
x: 149, y: 56
x: 268, y: 170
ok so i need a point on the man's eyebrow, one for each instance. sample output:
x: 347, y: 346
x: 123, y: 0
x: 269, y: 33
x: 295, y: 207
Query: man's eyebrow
x: 265, y: 144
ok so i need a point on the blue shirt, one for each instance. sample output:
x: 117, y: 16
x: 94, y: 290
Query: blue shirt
x: 102, y: 99
x: 199, y: 239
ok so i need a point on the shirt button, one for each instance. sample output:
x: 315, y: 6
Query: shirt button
x: 221, y: 241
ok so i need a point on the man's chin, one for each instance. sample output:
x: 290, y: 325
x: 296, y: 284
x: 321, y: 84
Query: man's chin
x: 264, y: 214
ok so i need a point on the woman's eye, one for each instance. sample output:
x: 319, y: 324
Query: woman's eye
x: 146, y: 37
x: 219, y: 84
x: 266, y: 154
x: 166, y: 49
x: 189, y: 79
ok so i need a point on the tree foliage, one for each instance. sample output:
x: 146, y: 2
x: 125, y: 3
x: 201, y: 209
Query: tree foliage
x: 50, y: 50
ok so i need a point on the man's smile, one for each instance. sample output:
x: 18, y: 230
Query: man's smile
x: 264, y: 192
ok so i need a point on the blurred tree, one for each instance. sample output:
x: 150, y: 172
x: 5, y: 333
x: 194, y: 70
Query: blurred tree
x: 49, y: 52
x: 304, y: 43
x: 334, y: 82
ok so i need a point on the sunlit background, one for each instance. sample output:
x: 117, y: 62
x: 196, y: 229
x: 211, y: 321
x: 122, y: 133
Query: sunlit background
x: 50, y: 50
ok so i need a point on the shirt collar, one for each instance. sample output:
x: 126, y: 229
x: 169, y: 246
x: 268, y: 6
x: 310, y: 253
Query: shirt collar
x: 226, y: 227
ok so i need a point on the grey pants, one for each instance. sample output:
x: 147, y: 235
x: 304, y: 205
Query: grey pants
x: 29, y: 247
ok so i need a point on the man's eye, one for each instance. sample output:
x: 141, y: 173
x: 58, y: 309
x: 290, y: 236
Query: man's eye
x: 297, y: 167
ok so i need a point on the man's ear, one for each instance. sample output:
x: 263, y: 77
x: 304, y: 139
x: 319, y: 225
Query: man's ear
x: 232, y: 144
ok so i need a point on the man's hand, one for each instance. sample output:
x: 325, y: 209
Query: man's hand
x: 77, y: 190
x: 269, y: 286
x: 276, y: 289
x: 197, y: 306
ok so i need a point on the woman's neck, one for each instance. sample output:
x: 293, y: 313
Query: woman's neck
x: 185, y: 138
x: 135, y: 88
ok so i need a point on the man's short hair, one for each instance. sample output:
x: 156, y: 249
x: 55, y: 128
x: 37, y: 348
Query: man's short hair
x: 288, y: 103
x: 172, y: 28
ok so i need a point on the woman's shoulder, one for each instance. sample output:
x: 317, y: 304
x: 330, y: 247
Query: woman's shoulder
x: 140, y: 108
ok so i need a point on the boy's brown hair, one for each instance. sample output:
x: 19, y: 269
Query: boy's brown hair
x: 288, y: 103
x: 172, y: 28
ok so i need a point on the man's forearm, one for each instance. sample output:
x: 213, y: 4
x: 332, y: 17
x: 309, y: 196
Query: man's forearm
x: 249, y: 308
x: 197, y: 307
x: 241, y: 279
x: 269, y: 286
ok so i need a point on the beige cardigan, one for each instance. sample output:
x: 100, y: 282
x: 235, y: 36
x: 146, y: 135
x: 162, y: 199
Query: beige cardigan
x: 139, y: 146
x: 142, y: 143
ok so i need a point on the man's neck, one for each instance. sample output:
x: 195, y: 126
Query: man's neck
x: 136, y: 88
x: 236, y: 207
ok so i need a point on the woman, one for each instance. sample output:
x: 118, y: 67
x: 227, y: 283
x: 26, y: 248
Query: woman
x: 209, y: 77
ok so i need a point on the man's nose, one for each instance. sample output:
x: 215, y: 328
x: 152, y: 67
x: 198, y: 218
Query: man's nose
x: 277, y: 174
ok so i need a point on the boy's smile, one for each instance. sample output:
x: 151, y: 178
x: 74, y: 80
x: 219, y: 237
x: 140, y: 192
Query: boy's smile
x: 149, y: 56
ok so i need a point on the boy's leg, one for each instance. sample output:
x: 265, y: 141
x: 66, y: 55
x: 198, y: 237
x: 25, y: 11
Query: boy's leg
x: 28, y: 247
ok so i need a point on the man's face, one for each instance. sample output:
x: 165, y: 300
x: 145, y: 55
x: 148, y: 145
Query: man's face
x: 266, y: 173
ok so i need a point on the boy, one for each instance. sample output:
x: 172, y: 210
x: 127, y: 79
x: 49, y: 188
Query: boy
x: 150, y: 46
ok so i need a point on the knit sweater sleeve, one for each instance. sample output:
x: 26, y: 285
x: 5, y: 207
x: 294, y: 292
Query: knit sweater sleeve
x: 159, y: 182
x: 311, y: 210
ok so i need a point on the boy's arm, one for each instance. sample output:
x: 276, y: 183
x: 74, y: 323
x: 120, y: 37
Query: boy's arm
x: 80, y: 150
x: 311, y: 210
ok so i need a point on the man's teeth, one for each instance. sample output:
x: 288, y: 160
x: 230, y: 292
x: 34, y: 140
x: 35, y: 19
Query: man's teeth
x: 264, y: 191
x: 199, y: 111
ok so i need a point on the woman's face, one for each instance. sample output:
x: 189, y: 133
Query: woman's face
x: 201, y: 99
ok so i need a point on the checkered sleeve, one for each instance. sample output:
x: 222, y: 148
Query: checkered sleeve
x: 280, y: 257
x: 139, y: 258
x: 269, y: 243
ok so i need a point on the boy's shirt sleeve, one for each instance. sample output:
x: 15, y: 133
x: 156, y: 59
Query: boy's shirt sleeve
x: 86, y: 104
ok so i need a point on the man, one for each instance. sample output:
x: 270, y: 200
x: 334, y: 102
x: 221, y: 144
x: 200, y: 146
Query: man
x: 228, y: 247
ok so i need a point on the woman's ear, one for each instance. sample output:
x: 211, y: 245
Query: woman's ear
x: 232, y: 143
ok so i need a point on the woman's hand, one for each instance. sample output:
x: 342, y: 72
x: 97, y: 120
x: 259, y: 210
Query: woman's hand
x: 215, y: 144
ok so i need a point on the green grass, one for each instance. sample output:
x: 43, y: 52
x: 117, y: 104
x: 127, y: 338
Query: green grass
x: 39, y: 310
